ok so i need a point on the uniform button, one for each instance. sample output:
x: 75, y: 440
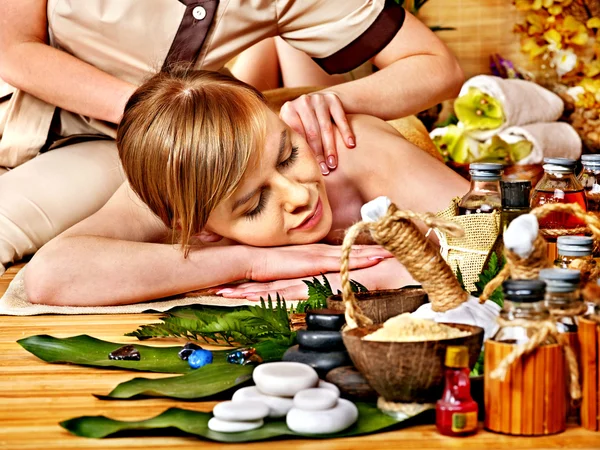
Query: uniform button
x: 199, y: 13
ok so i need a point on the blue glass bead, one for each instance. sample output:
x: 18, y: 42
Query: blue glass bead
x: 200, y: 358
x: 243, y: 356
x: 187, y: 350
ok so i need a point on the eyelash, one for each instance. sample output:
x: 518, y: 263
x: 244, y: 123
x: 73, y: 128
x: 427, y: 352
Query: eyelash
x: 291, y: 159
x: 262, y: 201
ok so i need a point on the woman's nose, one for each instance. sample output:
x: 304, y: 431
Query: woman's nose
x: 296, y: 196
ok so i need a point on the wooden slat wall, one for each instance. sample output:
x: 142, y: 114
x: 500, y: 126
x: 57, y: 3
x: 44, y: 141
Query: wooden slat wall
x: 482, y: 27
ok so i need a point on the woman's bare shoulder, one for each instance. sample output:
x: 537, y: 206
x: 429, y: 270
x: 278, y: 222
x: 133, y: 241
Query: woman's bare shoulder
x: 376, y: 141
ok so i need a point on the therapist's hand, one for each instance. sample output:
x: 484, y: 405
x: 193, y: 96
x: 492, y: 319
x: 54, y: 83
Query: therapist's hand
x: 315, y: 116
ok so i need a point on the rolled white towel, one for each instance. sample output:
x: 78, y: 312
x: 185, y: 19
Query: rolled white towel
x: 550, y: 140
x: 523, y: 102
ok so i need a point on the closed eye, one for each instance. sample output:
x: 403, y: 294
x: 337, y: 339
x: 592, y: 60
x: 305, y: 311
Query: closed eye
x: 262, y: 201
x: 291, y: 159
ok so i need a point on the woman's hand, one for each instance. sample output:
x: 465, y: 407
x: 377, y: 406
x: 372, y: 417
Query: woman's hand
x: 388, y: 274
x: 313, y: 116
x: 277, y: 263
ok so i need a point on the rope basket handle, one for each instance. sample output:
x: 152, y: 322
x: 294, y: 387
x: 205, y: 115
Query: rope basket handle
x: 396, y: 232
x: 529, y: 268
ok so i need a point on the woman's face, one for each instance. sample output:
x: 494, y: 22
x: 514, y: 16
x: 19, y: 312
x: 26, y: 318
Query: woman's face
x: 281, y: 199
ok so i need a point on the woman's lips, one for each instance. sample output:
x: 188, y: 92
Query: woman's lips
x: 313, y: 220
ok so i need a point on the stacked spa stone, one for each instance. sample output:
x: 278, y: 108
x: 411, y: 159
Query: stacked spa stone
x: 321, y: 345
x: 285, y: 389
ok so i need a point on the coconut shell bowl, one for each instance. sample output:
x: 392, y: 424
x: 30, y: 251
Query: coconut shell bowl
x: 379, y: 306
x: 405, y: 372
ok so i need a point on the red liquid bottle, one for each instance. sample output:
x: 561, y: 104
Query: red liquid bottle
x: 456, y: 411
x: 559, y: 185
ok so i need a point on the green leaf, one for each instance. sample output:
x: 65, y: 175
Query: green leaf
x: 88, y: 351
x: 488, y: 274
x: 459, y: 277
x: 203, y: 382
x: 245, y: 325
x: 370, y: 420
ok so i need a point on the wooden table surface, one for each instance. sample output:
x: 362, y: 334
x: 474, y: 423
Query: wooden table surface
x: 36, y: 396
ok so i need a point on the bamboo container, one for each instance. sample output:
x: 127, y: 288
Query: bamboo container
x: 531, y: 401
x: 589, y: 340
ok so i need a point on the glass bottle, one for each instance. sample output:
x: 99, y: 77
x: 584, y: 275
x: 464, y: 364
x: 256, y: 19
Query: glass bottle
x: 590, y: 180
x: 523, y: 300
x: 558, y: 185
x: 456, y: 411
x: 593, y: 305
x: 562, y: 296
x: 484, y: 195
x: 515, y: 200
x: 571, y: 248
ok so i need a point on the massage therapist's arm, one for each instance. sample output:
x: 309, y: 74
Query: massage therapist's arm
x: 27, y: 62
x: 418, y: 71
x: 110, y: 259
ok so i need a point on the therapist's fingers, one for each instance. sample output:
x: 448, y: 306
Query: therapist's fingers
x: 336, y: 109
x: 303, y: 109
x: 288, y: 114
x: 321, y: 108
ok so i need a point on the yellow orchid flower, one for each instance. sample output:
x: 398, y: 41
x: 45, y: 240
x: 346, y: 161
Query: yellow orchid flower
x: 531, y: 47
x: 594, y: 22
x: 574, y: 32
x: 592, y: 69
x: 553, y: 37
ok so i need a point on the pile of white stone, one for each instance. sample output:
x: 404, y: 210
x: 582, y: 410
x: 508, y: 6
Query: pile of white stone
x: 285, y: 389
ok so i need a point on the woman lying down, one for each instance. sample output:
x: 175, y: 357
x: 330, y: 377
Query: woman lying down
x: 219, y: 189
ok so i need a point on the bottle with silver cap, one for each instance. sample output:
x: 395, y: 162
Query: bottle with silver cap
x: 590, y: 179
x: 523, y: 302
x: 484, y: 195
x: 559, y: 185
x: 563, y: 298
x: 571, y: 248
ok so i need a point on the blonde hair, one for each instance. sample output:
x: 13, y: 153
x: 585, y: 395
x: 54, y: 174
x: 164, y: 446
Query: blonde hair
x: 185, y: 142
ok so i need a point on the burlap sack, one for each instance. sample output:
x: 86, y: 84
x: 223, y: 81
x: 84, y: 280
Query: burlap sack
x: 471, y: 251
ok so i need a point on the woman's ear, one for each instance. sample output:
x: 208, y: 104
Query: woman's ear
x: 209, y: 236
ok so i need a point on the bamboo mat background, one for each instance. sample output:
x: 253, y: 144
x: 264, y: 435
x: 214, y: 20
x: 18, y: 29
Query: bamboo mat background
x: 482, y: 27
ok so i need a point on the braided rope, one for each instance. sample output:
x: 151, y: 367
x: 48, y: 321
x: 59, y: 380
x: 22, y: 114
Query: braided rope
x: 588, y: 268
x: 529, y: 268
x: 519, y: 268
x: 592, y: 222
x: 543, y: 329
x: 396, y: 232
x: 574, y: 311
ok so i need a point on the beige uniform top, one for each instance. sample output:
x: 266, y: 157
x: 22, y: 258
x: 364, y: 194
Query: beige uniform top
x: 132, y: 39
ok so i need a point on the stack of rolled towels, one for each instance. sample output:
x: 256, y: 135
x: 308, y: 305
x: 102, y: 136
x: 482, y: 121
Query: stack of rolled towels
x: 509, y: 119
